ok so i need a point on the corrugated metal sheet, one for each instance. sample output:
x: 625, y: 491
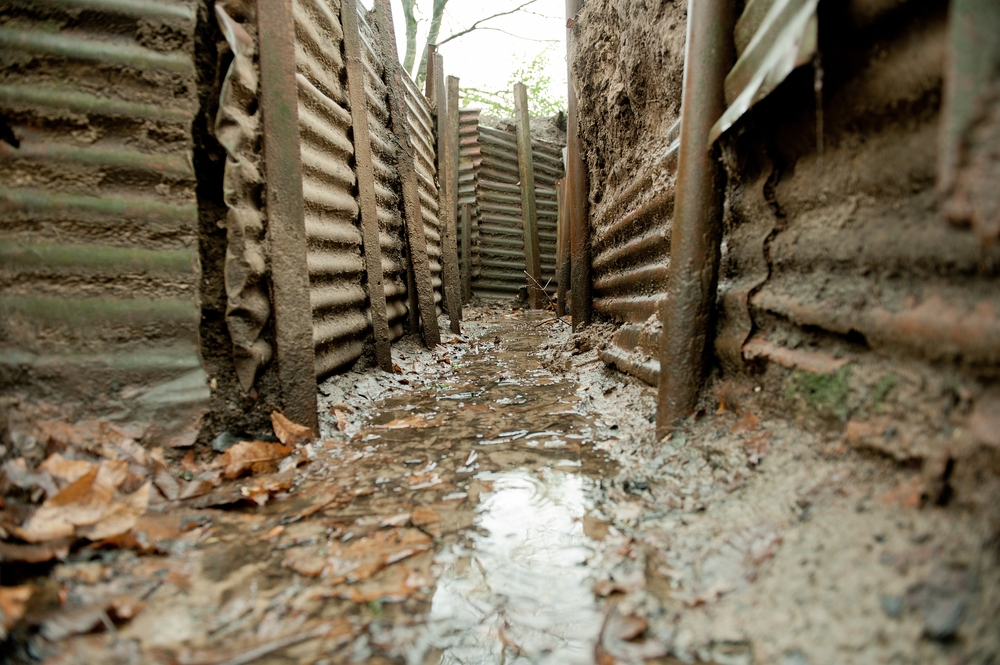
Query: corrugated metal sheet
x: 631, y: 242
x: 470, y: 160
x: 421, y: 120
x: 341, y: 321
x: 387, y: 186
x: 501, y: 233
x: 99, y: 220
x: 859, y: 273
x: 773, y: 37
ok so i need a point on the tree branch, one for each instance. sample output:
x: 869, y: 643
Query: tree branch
x: 474, y: 26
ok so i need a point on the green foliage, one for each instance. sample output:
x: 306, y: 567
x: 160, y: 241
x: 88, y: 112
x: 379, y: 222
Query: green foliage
x: 826, y: 393
x: 532, y: 73
x: 883, y: 388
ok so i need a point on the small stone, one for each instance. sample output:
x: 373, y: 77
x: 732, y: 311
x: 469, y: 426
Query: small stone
x: 892, y: 606
x: 224, y: 442
x: 942, y: 618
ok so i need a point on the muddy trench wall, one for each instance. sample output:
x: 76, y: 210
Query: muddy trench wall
x: 846, y: 294
x: 627, y: 61
x: 99, y: 260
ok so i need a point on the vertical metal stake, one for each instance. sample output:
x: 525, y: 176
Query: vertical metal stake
x: 447, y: 167
x: 697, y: 232
x: 529, y: 213
x: 286, y: 228
x: 366, y: 184
x: 577, y: 194
x: 562, y: 249
x: 412, y: 217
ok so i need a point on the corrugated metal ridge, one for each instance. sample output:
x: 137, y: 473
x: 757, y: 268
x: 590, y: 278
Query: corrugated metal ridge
x: 339, y: 301
x: 99, y: 262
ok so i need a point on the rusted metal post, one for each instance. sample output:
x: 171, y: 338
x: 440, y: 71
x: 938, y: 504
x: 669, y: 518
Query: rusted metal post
x: 454, y: 127
x: 366, y: 184
x: 466, y: 254
x: 562, y: 249
x: 447, y: 167
x: 697, y: 230
x: 286, y: 228
x: 529, y: 212
x: 432, y: 76
x: 412, y: 217
x: 576, y: 193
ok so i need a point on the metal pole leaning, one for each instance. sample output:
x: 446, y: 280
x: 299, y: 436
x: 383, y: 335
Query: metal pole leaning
x: 529, y: 212
x: 366, y: 185
x: 412, y: 217
x: 697, y: 230
x: 286, y: 229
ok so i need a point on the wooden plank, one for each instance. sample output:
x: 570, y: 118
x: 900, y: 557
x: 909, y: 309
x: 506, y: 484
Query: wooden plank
x: 365, y: 171
x: 447, y: 166
x: 577, y: 200
x: 407, y: 175
x: 529, y: 212
x: 286, y: 229
x: 562, y: 249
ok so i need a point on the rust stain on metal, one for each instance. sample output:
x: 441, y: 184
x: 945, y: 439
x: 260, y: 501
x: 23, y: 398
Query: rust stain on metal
x: 286, y: 225
x: 529, y: 212
x: 366, y: 184
x: 408, y: 177
x: 697, y: 230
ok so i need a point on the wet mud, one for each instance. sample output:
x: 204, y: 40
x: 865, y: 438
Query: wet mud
x: 439, y: 519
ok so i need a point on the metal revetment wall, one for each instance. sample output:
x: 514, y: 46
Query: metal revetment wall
x: 421, y: 121
x: 631, y: 263
x: 470, y: 160
x: 338, y: 298
x: 392, y: 238
x: 98, y: 241
x: 501, y: 232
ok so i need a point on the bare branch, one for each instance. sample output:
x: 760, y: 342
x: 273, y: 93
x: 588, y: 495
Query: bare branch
x: 476, y: 25
x: 527, y: 39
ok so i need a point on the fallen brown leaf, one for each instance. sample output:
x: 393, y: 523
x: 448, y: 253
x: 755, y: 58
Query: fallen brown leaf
x: 65, y: 471
x: 756, y: 447
x: 289, y: 433
x: 34, y: 553
x: 342, y: 421
x: 747, y: 423
x: 82, y: 503
x: 246, y: 454
x: 120, y: 517
x: 13, y: 601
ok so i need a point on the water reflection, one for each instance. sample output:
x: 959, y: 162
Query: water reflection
x: 522, y: 592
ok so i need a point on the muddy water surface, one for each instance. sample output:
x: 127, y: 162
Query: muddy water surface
x: 439, y: 519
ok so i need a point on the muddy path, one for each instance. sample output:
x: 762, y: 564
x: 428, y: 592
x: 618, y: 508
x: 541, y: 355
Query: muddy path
x: 442, y: 518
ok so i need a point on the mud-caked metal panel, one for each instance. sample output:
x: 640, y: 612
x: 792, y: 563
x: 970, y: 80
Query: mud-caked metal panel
x: 421, y: 120
x: 388, y: 196
x: 341, y: 321
x: 98, y: 220
x: 501, y: 234
x: 470, y: 160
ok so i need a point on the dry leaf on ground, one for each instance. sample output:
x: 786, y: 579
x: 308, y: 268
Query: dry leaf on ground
x: 251, y: 456
x: 289, y: 433
x: 120, y: 517
x: 64, y: 471
x: 13, y: 601
x: 82, y: 503
x: 34, y: 553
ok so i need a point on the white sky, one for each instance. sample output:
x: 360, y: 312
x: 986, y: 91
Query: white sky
x: 485, y: 58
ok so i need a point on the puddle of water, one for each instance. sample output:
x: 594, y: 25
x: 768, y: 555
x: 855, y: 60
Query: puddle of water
x: 521, y: 592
